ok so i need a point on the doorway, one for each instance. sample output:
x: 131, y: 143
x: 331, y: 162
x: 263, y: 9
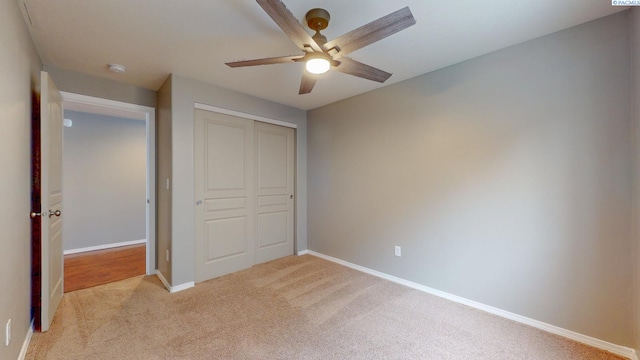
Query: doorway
x: 110, y: 188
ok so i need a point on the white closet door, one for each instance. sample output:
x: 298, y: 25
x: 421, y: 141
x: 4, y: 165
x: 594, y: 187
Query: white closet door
x: 225, y: 194
x: 275, y: 162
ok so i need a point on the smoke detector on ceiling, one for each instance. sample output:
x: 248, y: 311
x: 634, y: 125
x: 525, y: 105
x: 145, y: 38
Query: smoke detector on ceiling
x: 117, y: 68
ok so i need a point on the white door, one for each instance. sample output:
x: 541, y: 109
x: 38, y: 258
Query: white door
x: 275, y: 162
x: 52, y: 271
x: 225, y: 193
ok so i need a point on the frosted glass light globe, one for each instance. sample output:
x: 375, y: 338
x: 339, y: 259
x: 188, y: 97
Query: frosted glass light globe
x: 318, y: 66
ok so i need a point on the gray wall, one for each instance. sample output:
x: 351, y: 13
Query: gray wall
x: 78, y: 83
x: 506, y: 179
x: 20, y: 72
x: 635, y: 39
x: 104, y: 179
x: 163, y: 172
x: 186, y: 92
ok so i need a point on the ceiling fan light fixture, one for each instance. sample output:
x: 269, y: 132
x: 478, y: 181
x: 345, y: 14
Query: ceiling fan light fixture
x: 318, y: 65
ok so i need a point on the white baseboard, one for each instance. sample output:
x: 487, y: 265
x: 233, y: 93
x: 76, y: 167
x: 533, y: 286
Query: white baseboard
x: 106, y: 246
x: 174, y: 289
x: 302, y: 252
x: 163, y: 280
x: 601, y: 344
x: 25, y: 344
x: 181, y: 287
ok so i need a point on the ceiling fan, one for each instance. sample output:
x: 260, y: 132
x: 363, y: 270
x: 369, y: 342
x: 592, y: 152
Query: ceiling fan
x: 321, y: 55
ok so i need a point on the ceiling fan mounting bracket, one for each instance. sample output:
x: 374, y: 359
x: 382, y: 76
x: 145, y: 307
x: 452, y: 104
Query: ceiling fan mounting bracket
x: 333, y: 51
x: 317, y: 19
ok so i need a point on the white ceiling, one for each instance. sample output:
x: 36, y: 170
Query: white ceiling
x: 194, y: 38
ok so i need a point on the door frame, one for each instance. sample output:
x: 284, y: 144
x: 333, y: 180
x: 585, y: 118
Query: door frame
x: 220, y: 110
x: 149, y: 114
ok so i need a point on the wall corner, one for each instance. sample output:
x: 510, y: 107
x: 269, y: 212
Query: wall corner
x: 634, y: 15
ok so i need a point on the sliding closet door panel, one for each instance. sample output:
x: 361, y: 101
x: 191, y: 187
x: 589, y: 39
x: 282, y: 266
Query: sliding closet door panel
x: 275, y: 161
x: 225, y: 194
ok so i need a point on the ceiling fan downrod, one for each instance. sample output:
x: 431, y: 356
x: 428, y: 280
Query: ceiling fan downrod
x: 318, y: 19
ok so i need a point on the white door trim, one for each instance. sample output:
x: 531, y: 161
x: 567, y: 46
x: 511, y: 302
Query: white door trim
x: 149, y: 114
x: 220, y: 110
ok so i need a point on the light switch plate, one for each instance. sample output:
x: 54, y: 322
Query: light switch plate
x: 7, y: 333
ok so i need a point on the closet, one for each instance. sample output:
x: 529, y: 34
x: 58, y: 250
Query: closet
x: 244, y: 189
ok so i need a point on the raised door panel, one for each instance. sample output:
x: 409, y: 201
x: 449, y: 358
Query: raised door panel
x: 272, y: 160
x: 272, y: 229
x: 226, y: 238
x: 226, y: 158
x: 56, y: 264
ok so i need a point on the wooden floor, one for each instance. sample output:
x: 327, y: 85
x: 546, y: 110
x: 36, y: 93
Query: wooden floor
x: 84, y: 270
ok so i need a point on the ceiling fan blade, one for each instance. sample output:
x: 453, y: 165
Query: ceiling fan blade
x: 288, y: 23
x: 265, y: 61
x: 355, y: 68
x: 307, y: 83
x: 370, y: 33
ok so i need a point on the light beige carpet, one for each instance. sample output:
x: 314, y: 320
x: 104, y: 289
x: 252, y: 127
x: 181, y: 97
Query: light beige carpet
x: 293, y: 308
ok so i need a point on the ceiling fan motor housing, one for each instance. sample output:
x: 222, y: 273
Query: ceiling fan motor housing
x: 317, y: 19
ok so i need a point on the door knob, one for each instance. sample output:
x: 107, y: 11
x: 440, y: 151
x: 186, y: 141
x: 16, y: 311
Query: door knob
x: 34, y: 214
x: 56, y: 213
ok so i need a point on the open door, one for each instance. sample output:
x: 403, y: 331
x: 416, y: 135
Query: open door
x: 48, y: 265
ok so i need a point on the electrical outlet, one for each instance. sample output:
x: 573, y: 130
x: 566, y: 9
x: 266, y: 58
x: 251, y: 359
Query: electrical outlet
x: 167, y: 254
x: 398, y: 251
x: 167, y: 184
x: 7, y: 333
